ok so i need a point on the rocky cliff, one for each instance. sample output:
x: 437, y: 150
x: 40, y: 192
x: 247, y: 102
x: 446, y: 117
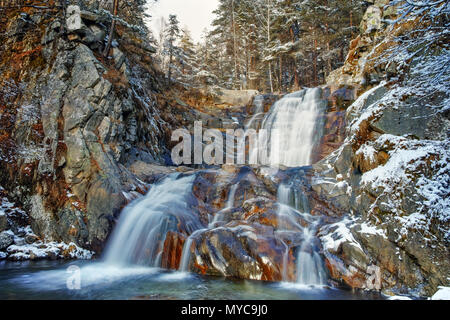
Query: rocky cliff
x: 73, y: 120
x: 390, y: 178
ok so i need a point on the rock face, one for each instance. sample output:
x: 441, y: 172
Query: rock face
x: 73, y: 121
x: 390, y: 176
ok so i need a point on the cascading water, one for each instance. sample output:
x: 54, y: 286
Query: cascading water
x: 143, y: 225
x: 142, y: 228
x: 186, y: 254
x: 310, y: 270
x: 295, y: 119
x: 258, y: 104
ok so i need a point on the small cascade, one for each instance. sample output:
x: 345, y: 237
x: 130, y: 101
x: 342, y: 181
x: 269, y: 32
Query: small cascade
x: 141, y: 230
x: 294, y: 120
x: 310, y: 270
x: 186, y: 254
x: 232, y: 196
x: 258, y: 111
x: 230, y: 204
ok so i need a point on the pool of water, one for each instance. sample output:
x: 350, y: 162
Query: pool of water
x: 97, y: 280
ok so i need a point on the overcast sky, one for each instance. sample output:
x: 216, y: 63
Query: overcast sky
x: 195, y: 14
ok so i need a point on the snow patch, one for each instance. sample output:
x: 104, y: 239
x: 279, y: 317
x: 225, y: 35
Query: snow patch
x: 369, y: 229
x: 336, y: 234
x: 442, y: 294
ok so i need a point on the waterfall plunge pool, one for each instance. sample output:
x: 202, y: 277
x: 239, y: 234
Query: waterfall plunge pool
x: 47, y: 280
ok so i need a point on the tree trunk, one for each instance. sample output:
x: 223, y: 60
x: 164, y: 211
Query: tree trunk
x: 268, y: 42
x: 281, y: 73
x: 236, y: 75
x: 315, y: 63
x: 111, y: 31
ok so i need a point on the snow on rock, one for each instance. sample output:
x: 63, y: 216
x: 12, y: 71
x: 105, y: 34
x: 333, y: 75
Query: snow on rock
x: 367, y: 151
x: 333, y: 235
x: 53, y: 250
x: 370, y: 229
x: 442, y: 294
x: 357, y: 107
x: 425, y: 165
x: 27, y: 245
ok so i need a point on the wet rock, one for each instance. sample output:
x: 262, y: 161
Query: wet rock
x: 172, y: 250
x: 242, y: 251
x: 6, y: 239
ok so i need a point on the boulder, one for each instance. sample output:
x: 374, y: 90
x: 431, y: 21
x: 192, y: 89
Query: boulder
x: 73, y: 20
x: 241, y: 251
x: 372, y: 20
x: 6, y: 239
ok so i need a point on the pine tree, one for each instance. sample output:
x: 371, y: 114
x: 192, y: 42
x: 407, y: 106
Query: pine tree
x: 171, y: 50
x: 187, y: 62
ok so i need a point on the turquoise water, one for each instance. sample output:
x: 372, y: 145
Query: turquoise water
x: 98, y: 281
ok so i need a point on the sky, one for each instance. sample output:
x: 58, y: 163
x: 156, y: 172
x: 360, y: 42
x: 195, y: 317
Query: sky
x: 195, y: 14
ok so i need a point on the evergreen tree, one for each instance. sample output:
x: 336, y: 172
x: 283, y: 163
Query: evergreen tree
x: 187, y: 62
x: 171, y: 49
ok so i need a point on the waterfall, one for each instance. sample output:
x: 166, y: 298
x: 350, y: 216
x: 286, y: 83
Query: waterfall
x: 186, y: 254
x: 295, y: 119
x: 141, y: 230
x: 310, y: 270
x: 258, y: 104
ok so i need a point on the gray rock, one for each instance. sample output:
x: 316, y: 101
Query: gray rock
x: 84, y: 72
x: 91, y: 16
x: 344, y: 161
x: 6, y: 239
x: 413, y: 118
x: 31, y: 238
x: 372, y: 20
x: 119, y: 58
x: 73, y: 20
x: 52, y: 32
